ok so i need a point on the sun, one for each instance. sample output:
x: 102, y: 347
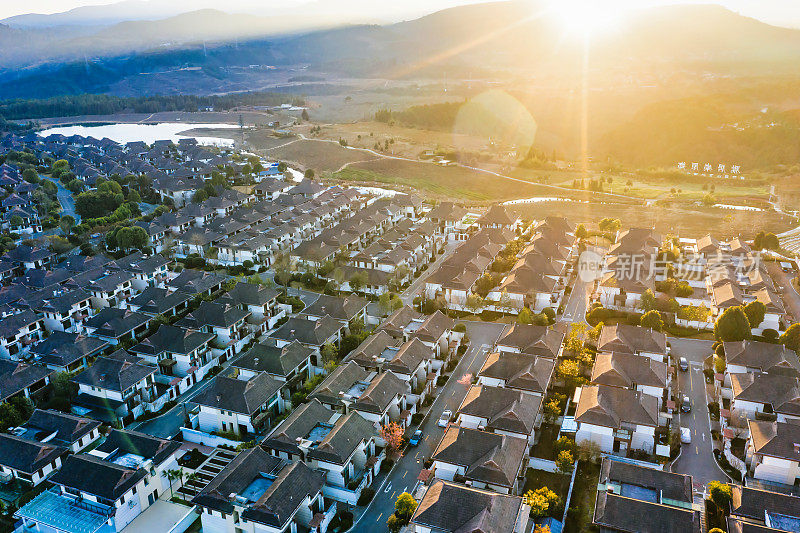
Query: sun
x: 585, y: 18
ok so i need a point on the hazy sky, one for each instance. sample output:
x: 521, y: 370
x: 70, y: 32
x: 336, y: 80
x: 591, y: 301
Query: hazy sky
x: 779, y: 12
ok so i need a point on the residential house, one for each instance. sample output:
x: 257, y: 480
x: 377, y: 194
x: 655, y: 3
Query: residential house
x: 486, y: 460
x: 630, y: 371
x: 757, y: 510
x: 519, y: 371
x: 178, y: 352
x: 22, y: 379
x: 117, y: 386
x: 105, y: 489
x: 28, y: 460
x: 227, y: 322
x: 115, y: 325
x: 529, y: 339
x: 239, y: 405
x: 290, y: 364
x: 637, y: 340
x: 632, y: 498
x: 61, y: 429
x: 344, y: 447
x: 451, y: 508
x: 500, y: 410
x: 67, y: 352
x: 258, y: 493
x: 773, y: 451
x: 18, y: 333
x: 616, y: 419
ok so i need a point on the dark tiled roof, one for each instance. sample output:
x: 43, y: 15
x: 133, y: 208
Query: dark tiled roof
x: 345, y: 308
x: 380, y: 393
x: 112, y: 322
x: 298, y: 425
x: 118, y: 372
x: 311, y: 332
x: 631, y: 339
x: 520, y: 370
x: 626, y: 370
x: 537, y: 340
x: 172, y: 339
x: 753, y: 503
x: 15, y: 377
x: 68, y: 428
x: 776, y: 439
x: 238, y: 395
x: 677, y: 487
x: 602, y: 405
x: 157, y: 301
x: 27, y: 455
x: 274, y: 360
x: 63, y: 349
x: 487, y: 457
x: 761, y: 355
x: 343, y: 439
x: 504, y: 409
x: 450, y: 507
x: 619, y: 513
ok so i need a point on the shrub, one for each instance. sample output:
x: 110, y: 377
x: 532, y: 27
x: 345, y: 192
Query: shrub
x: 367, y: 493
x: 460, y: 328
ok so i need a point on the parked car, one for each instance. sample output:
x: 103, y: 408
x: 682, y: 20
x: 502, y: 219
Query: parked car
x: 684, y: 364
x: 686, y: 406
x: 686, y: 435
x: 416, y: 438
x: 445, y: 418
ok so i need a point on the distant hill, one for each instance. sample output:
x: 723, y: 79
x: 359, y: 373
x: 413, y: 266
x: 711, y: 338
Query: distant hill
x: 504, y: 37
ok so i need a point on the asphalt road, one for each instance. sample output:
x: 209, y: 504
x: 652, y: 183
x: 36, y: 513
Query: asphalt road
x: 65, y: 199
x: 404, y: 475
x: 575, y: 309
x: 697, y: 458
x: 418, y: 284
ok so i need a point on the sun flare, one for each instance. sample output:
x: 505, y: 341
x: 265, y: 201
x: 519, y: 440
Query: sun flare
x: 585, y: 18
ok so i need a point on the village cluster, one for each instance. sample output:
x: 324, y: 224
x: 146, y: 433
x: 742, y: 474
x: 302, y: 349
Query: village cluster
x: 268, y: 359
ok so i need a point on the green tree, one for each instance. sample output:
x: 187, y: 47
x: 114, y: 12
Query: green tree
x: 329, y: 352
x: 304, y: 115
x: 732, y: 325
x: 791, y: 337
x: 474, y: 303
x: 570, y: 371
x: 30, y: 175
x: 755, y: 312
x: 610, y: 224
x: 581, y: 232
x: 358, y: 281
x: 15, y: 221
x: 653, y: 320
x: 132, y: 237
x: 525, y: 316
x: 309, y: 174
x: 66, y: 223
x: 648, y: 301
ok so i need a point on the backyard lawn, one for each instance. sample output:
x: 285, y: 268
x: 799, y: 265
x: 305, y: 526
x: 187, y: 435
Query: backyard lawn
x: 581, y: 509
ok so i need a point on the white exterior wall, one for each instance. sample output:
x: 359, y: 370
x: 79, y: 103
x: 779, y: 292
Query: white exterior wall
x: 603, y: 436
x: 778, y: 470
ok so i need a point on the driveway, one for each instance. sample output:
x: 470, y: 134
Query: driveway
x: 403, y: 476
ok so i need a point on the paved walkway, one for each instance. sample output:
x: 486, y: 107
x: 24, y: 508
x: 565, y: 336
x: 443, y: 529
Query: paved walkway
x: 416, y: 286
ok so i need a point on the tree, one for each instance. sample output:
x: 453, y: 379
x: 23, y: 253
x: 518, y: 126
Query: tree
x: 132, y: 237
x: 394, y: 524
x: 309, y: 174
x: 610, y: 224
x: 648, y: 301
x: 732, y: 325
x: 589, y: 450
x: 134, y: 196
x: 525, y: 316
x: 304, y: 115
x: 30, y: 175
x: 653, y: 320
x: 329, y: 352
x: 474, y: 303
x: 392, y: 434
x: 755, y: 312
x: 358, y: 281
x: 791, y: 337
x: 570, y: 371
x: 95, y: 204
x: 542, y: 501
x: 66, y: 223
x: 565, y: 462
x: 405, y: 506
x: 172, y: 475
x: 721, y: 494
x: 581, y: 232
x: 505, y: 303
x: 15, y: 221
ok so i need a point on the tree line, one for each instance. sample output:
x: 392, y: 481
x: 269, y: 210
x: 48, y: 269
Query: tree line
x: 104, y: 104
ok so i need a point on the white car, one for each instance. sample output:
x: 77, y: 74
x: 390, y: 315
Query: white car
x: 445, y: 418
x: 686, y: 435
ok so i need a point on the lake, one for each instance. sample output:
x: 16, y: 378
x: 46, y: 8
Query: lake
x: 125, y: 133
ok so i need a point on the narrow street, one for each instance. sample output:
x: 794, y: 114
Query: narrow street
x: 416, y: 286
x: 697, y: 458
x: 404, y: 475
